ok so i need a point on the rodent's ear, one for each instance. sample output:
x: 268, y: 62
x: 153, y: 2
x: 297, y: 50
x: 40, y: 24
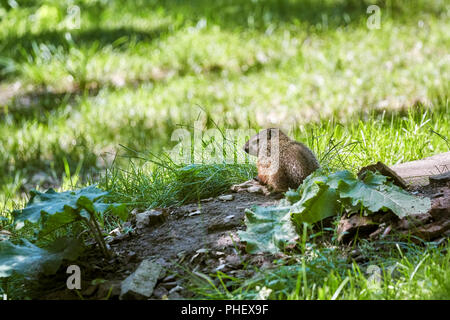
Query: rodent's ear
x: 272, y: 132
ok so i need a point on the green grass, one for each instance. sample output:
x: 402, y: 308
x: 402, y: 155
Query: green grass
x: 133, y: 72
x: 144, y: 185
x: 392, y: 271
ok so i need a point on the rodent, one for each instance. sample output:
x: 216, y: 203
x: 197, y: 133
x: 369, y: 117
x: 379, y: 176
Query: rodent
x: 294, y: 163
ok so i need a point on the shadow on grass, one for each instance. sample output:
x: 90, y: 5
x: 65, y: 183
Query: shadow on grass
x: 36, y: 105
x: 17, y: 47
x: 259, y: 14
x: 228, y: 14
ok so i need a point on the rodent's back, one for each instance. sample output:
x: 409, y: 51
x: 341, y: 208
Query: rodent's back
x: 299, y: 162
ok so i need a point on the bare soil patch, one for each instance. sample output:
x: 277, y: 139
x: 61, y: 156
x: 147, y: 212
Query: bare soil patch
x: 200, y: 237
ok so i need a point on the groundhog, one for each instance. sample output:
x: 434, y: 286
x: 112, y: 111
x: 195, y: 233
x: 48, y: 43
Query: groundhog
x: 282, y: 162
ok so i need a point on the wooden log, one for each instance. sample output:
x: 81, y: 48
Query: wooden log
x: 418, y: 173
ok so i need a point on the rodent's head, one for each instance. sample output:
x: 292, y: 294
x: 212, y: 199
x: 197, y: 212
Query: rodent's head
x: 251, y: 146
x: 263, y: 138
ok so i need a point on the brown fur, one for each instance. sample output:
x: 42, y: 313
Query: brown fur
x: 296, y: 161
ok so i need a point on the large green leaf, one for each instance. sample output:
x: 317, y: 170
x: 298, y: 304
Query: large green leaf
x: 29, y: 259
x: 50, y: 223
x: 375, y: 194
x: 318, y: 201
x: 117, y: 209
x: 320, y: 196
x: 52, y: 202
x: 53, y: 209
x: 323, y: 196
x: 48, y: 212
x: 269, y: 229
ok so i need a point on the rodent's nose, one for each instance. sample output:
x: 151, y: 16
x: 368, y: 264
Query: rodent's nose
x: 246, y: 148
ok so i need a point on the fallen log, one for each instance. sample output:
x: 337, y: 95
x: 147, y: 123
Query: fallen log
x: 417, y: 173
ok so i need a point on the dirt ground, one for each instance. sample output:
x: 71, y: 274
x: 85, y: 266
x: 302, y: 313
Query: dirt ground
x: 202, y: 237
